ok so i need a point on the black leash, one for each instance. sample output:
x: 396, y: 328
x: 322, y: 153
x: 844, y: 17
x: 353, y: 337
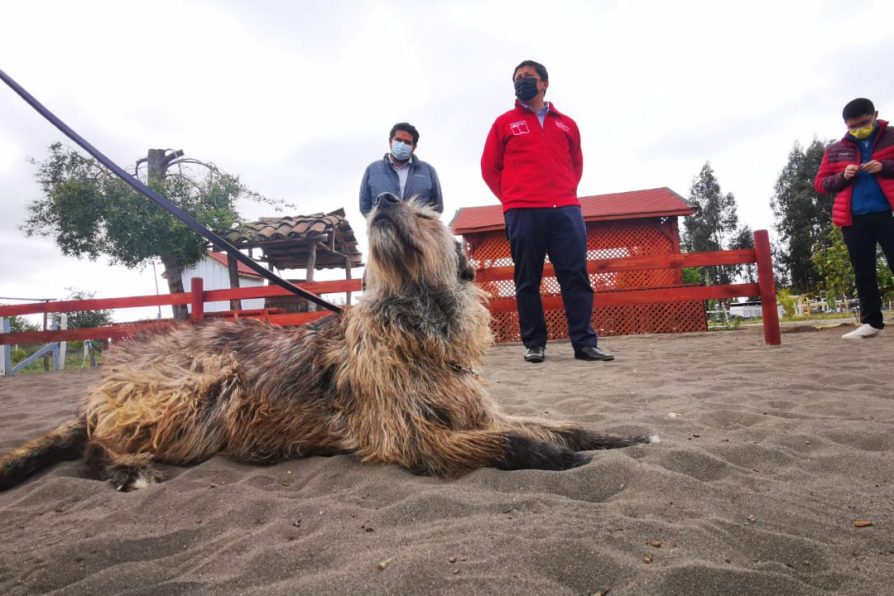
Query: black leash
x: 161, y: 201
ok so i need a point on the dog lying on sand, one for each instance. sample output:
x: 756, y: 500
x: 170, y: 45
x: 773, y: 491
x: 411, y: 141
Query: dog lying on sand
x: 391, y: 380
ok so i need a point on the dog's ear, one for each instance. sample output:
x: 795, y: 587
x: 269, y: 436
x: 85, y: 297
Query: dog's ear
x: 465, y: 271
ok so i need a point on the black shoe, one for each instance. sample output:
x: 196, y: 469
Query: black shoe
x: 537, y: 354
x: 592, y: 353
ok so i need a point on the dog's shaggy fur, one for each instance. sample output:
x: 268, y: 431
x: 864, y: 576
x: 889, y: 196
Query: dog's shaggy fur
x: 391, y: 380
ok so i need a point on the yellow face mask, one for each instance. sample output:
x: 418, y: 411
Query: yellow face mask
x: 863, y: 132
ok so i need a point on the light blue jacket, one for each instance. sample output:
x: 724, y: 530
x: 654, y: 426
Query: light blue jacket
x: 379, y: 177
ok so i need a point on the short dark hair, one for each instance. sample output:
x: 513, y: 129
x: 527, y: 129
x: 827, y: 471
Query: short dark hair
x: 858, y: 107
x: 406, y: 127
x: 541, y: 69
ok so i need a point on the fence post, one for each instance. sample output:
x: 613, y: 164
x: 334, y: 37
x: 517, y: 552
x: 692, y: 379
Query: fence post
x: 197, y: 304
x: 772, y: 335
x: 6, y: 360
x: 63, y: 345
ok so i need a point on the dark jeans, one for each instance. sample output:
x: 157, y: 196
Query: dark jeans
x: 561, y: 234
x: 861, y: 239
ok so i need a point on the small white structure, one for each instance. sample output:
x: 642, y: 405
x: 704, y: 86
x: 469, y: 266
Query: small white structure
x: 750, y: 309
x: 745, y: 310
x: 216, y: 276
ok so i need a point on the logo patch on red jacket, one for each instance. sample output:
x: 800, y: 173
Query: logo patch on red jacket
x: 519, y: 128
x: 563, y: 126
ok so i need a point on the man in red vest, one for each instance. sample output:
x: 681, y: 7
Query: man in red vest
x: 859, y: 169
x: 532, y: 162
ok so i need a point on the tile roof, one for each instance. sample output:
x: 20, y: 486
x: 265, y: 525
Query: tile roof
x: 288, y: 227
x: 635, y: 204
x: 286, y: 240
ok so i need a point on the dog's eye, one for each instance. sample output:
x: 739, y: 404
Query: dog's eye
x: 424, y: 216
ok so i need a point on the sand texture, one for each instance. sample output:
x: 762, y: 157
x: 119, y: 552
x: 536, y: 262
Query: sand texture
x: 771, y: 459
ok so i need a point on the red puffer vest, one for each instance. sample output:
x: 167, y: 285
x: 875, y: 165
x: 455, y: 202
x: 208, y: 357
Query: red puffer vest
x: 838, y: 156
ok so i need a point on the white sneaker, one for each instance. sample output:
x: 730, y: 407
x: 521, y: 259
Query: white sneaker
x: 862, y: 332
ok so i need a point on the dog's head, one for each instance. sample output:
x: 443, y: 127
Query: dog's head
x: 409, y: 245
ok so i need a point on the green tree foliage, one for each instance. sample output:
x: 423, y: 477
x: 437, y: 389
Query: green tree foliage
x: 802, y: 219
x: 833, y: 266
x: 85, y: 318
x: 21, y: 325
x: 90, y: 212
x: 885, y: 279
x: 788, y: 302
x: 714, y: 226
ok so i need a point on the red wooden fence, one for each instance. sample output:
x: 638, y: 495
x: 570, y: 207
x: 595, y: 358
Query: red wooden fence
x: 197, y: 298
x: 760, y: 254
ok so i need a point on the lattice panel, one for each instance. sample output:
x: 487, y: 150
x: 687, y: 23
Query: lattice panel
x: 665, y: 317
x: 615, y: 239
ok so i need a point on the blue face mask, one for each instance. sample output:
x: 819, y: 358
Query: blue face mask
x: 401, y: 151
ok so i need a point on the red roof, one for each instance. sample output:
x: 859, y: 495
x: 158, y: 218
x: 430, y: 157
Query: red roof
x: 634, y: 204
x: 241, y: 268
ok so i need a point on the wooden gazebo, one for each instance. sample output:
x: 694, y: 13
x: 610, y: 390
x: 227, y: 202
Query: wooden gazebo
x: 627, y: 224
x: 309, y: 242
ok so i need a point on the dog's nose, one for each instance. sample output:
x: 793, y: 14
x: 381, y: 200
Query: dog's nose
x: 387, y: 198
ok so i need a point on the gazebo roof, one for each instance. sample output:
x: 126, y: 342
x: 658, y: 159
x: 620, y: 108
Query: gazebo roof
x: 635, y: 204
x: 286, y: 241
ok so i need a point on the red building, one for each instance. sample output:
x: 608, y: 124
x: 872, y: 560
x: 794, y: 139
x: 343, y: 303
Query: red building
x: 627, y: 224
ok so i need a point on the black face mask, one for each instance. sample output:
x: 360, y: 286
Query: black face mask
x: 526, y: 88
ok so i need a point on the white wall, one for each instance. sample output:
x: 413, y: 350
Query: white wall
x: 217, y: 277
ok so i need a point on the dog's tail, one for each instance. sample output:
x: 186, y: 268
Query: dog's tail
x: 65, y: 442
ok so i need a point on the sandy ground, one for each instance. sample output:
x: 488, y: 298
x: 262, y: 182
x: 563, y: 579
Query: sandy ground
x: 771, y: 458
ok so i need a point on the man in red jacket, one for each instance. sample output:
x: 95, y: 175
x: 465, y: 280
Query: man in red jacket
x: 859, y: 169
x: 532, y: 162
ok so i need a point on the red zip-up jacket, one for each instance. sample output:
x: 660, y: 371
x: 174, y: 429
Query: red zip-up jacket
x: 830, y: 177
x: 527, y: 166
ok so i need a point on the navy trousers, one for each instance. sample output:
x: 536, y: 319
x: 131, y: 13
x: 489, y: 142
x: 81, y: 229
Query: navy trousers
x: 561, y: 234
x: 861, y: 239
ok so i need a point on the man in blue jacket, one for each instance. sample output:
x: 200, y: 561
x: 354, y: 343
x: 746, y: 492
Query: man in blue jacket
x: 400, y: 172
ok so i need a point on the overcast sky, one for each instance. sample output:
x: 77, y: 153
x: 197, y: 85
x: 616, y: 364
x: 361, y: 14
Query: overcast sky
x: 297, y: 98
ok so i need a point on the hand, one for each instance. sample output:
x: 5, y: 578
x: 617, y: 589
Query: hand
x: 851, y: 171
x: 871, y: 167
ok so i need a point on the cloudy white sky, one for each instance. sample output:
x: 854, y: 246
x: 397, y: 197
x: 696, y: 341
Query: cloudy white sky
x: 297, y: 97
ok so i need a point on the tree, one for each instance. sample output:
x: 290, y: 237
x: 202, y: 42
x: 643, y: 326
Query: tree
x: 802, y: 219
x: 744, y: 238
x: 84, y: 318
x: 714, y: 226
x: 20, y: 325
x: 90, y: 212
x: 832, y: 264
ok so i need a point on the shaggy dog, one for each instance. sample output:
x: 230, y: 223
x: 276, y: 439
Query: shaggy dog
x: 392, y: 380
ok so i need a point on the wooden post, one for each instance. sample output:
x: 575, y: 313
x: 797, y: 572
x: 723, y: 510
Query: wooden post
x: 46, y: 357
x: 198, y: 304
x: 772, y: 335
x: 310, y: 265
x: 63, y: 345
x: 6, y: 360
x: 348, y: 276
x: 235, y: 304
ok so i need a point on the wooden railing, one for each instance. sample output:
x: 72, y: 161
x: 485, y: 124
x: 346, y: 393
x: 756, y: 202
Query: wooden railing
x: 760, y: 254
x: 197, y: 297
